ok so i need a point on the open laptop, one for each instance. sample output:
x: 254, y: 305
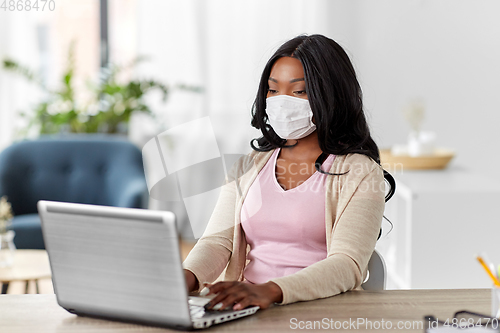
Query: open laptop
x: 122, y: 264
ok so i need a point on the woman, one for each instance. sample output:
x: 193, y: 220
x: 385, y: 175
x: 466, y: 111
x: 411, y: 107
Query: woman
x: 299, y: 217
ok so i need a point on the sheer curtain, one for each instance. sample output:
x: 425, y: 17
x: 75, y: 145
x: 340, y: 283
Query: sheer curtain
x: 17, y: 39
x: 41, y: 40
x: 222, y: 46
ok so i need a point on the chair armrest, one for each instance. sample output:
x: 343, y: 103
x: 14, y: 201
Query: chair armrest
x: 133, y: 195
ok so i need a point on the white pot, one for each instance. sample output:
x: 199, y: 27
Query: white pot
x: 7, y: 248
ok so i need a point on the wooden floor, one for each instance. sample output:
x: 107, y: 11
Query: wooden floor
x: 45, y: 285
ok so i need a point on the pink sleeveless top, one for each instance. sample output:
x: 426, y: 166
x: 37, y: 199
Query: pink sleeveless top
x: 285, y: 229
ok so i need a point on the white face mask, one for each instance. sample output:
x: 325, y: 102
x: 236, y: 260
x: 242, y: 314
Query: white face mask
x: 290, y: 117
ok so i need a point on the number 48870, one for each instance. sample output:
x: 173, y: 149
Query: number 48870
x: 27, y: 5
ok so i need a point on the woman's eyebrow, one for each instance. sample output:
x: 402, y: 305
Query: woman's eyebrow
x: 291, y: 81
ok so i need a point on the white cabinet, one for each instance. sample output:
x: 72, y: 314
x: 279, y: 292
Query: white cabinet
x: 442, y: 220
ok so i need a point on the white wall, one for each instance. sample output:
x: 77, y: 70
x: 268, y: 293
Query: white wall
x: 446, y: 52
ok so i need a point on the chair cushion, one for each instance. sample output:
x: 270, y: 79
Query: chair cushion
x: 28, y: 232
x: 91, y: 170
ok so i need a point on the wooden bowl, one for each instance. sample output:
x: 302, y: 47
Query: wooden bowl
x: 438, y: 160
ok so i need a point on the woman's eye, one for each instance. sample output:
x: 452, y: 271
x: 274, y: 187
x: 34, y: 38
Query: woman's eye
x: 271, y: 91
x: 300, y: 92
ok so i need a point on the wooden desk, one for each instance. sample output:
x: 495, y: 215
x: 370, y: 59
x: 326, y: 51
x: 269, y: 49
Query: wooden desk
x: 28, y: 265
x: 40, y: 313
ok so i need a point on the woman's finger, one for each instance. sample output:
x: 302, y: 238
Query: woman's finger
x: 205, y: 291
x: 242, y: 304
x: 223, y: 292
x: 220, y: 298
x: 231, y: 298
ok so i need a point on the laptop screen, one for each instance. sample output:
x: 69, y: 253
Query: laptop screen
x: 115, y: 262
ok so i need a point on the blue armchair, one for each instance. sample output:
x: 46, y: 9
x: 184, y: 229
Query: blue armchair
x: 83, y: 169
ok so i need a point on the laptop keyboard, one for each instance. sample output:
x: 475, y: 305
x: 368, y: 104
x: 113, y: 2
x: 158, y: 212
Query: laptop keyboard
x: 204, y: 318
x: 197, y: 309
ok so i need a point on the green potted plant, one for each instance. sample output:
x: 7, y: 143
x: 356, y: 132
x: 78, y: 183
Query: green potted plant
x: 108, y: 111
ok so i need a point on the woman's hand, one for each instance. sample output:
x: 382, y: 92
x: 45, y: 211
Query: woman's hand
x: 240, y: 294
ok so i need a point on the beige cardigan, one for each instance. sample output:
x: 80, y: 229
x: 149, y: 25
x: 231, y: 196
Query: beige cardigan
x: 353, y: 215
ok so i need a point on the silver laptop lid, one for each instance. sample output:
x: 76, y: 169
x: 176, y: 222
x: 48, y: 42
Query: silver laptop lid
x: 114, y: 262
